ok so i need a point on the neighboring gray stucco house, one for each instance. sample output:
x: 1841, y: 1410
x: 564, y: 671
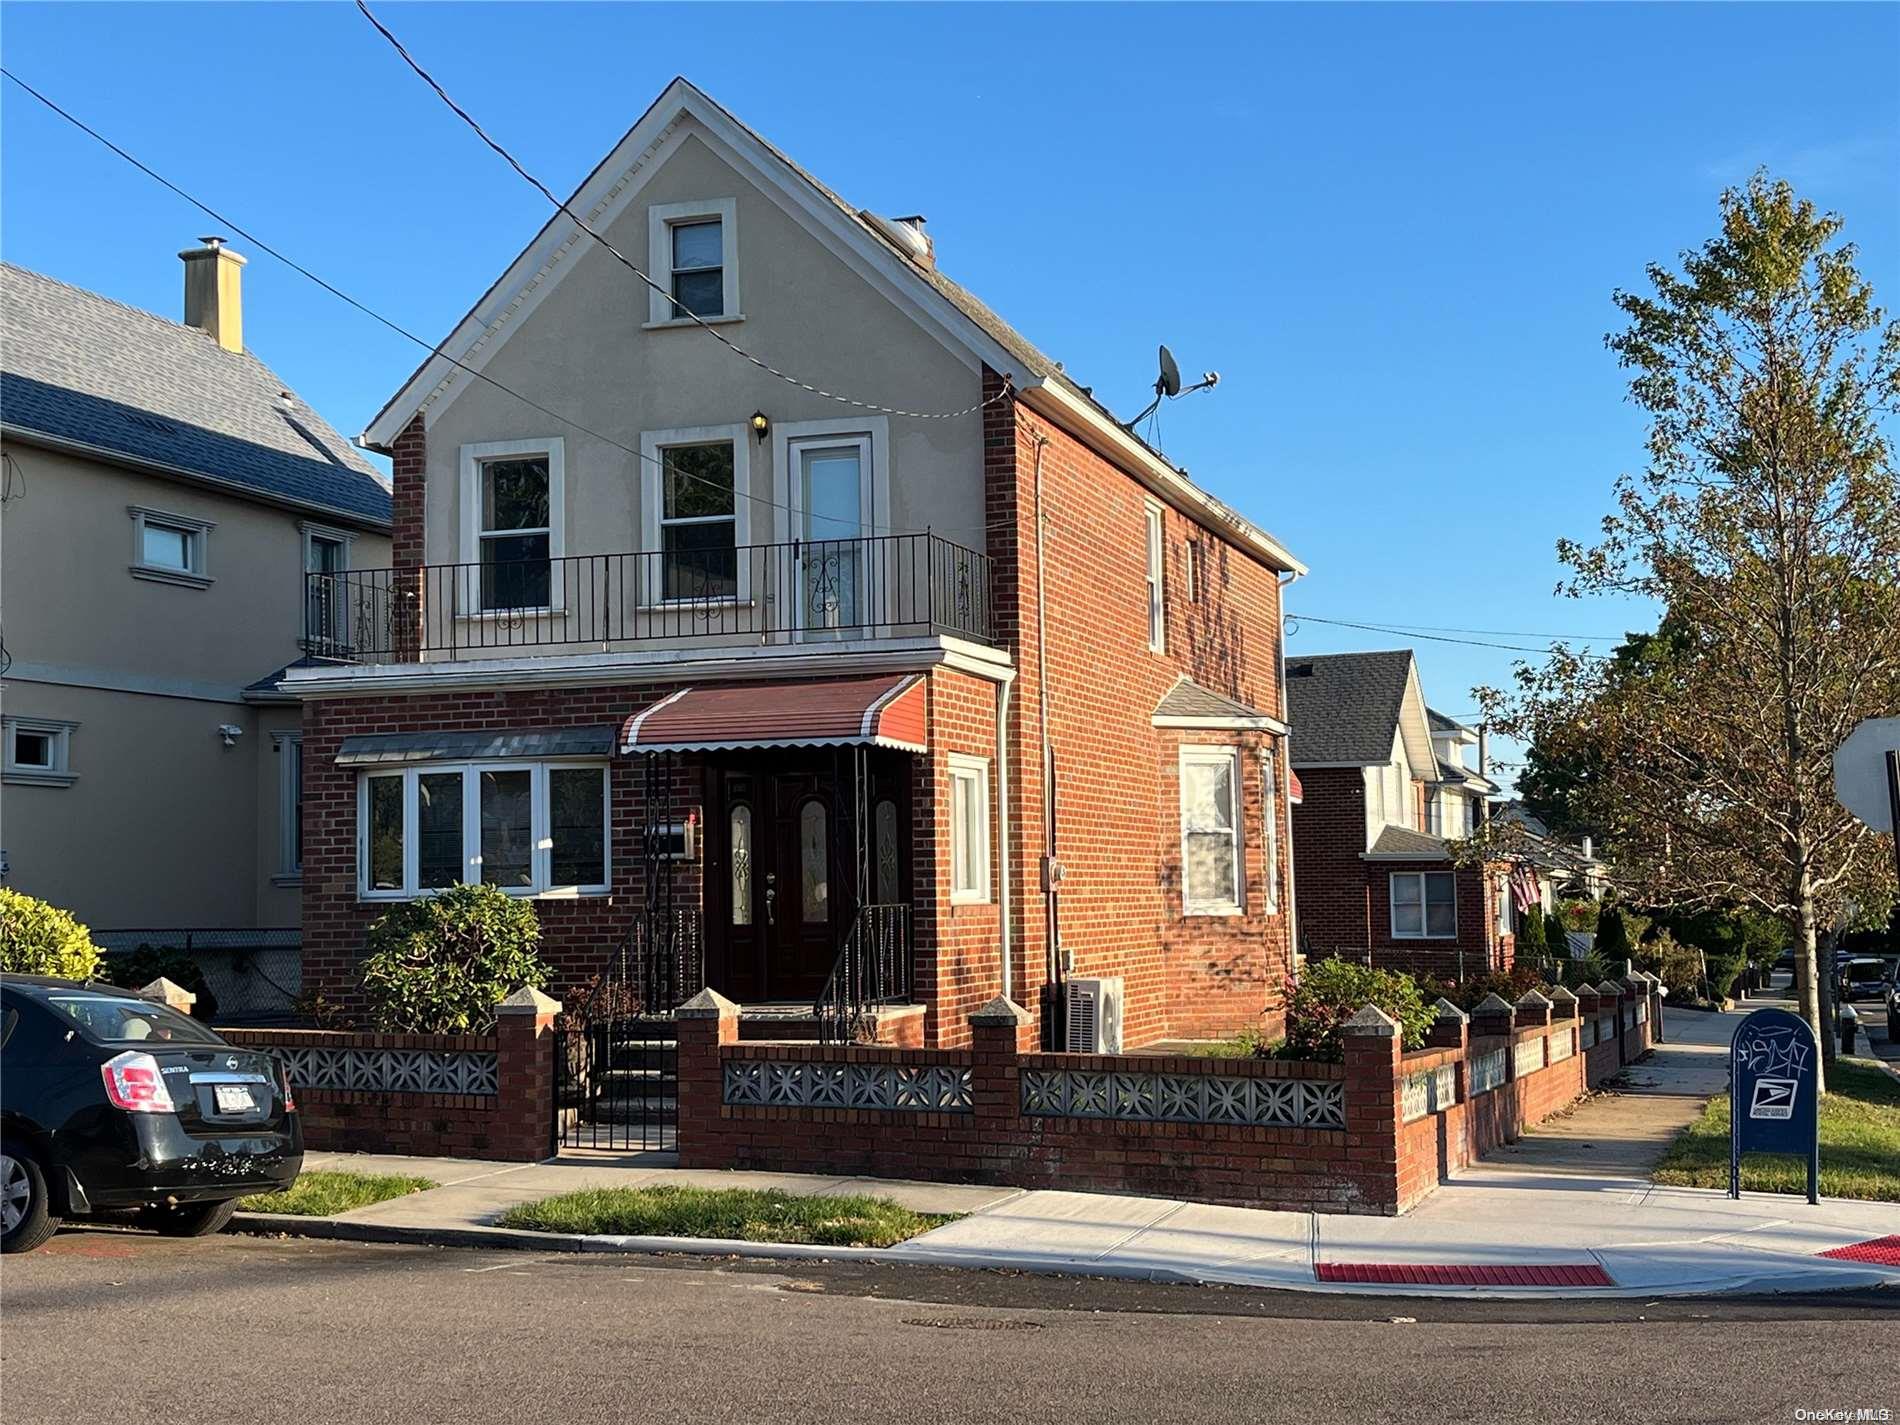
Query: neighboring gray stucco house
x: 164, y: 497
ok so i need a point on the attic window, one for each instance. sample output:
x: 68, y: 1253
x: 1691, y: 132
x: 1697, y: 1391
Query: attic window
x: 694, y: 251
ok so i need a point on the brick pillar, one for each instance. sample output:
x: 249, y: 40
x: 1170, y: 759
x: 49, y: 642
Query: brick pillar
x: 1493, y: 1016
x: 1611, y: 999
x: 1374, y: 1112
x: 408, y: 462
x: 1533, y: 1009
x: 1001, y: 1032
x: 704, y: 1025
x: 1451, y: 1026
x: 524, y: 1074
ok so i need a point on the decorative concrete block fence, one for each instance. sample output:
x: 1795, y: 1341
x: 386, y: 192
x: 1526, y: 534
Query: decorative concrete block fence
x: 451, y: 1095
x: 1374, y: 1134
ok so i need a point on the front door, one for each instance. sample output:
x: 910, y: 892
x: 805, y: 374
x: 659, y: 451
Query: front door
x: 780, y: 889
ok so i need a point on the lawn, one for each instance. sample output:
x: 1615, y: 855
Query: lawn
x: 737, y: 1214
x: 1860, y: 1143
x: 1248, y: 1044
x: 326, y: 1194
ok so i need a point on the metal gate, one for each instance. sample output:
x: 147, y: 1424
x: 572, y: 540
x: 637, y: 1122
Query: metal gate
x: 617, y: 1067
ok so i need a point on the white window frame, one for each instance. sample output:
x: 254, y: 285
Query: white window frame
x: 662, y: 218
x: 1157, y: 581
x: 59, y: 743
x: 1228, y: 757
x: 653, y: 447
x: 196, y: 532
x: 1424, y: 906
x: 1507, y: 906
x: 472, y: 458
x: 973, y: 773
x: 289, y: 749
x: 1270, y: 814
x: 540, y: 830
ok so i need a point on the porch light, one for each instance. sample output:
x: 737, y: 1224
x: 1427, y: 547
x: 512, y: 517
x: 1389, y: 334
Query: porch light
x: 761, y: 424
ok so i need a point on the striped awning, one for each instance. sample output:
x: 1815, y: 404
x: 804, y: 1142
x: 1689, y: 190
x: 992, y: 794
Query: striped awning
x: 882, y: 711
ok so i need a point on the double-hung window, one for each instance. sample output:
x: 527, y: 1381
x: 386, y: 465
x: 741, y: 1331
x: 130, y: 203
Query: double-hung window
x: 694, y: 258
x: 1424, y: 905
x: 969, y: 829
x: 531, y: 828
x: 1270, y: 815
x: 1157, y: 610
x: 698, y: 522
x: 699, y: 278
x: 1210, y: 831
x: 512, y: 513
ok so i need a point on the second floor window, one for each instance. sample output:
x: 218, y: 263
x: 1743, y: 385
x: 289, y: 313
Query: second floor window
x: 698, y: 522
x: 169, y: 548
x: 699, y: 277
x: 515, y: 533
x: 1157, y: 620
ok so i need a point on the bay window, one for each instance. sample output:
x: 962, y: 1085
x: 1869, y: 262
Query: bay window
x: 532, y: 828
x: 1424, y: 905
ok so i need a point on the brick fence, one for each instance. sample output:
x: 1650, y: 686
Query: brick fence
x: 1372, y: 1135
x: 431, y: 1095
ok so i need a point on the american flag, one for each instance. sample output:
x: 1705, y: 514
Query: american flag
x: 1524, y: 890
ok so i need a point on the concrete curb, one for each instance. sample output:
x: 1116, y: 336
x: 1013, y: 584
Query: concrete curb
x: 1803, y: 1278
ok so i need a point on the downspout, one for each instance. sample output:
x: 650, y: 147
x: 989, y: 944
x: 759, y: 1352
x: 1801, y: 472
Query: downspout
x: 1002, y: 826
x: 1286, y: 798
x: 1051, y: 893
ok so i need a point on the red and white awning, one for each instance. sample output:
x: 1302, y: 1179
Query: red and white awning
x: 883, y: 711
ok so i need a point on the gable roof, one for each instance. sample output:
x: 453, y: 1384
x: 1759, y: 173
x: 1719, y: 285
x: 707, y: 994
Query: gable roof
x: 1345, y: 707
x: 1441, y: 723
x: 953, y: 313
x: 82, y: 372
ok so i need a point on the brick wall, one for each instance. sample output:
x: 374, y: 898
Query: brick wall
x: 1118, y: 818
x: 408, y: 460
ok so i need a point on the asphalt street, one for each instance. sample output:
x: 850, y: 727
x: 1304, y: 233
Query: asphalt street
x: 120, y: 1327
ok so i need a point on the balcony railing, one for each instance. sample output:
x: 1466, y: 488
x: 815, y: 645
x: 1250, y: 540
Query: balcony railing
x: 879, y: 586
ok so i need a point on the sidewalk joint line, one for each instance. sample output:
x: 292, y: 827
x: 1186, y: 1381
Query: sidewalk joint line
x: 1133, y: 1233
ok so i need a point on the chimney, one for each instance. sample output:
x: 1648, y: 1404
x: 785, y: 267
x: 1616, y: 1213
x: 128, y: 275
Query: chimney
x: 1484, y: 749
x: 214, y: 298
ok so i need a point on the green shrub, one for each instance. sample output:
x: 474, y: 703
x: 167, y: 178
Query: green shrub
x: 1332, y: 991
x: 147, y: 963
x: 1588, y: 971
x: 1531, y: 949
x: 1507, y: 985
x: 439, y: 965
x: 1613, y: 937
x: 1557, y: 934
x: 1578, y: 912
x: 1678, y: 966
x: 41, y: 939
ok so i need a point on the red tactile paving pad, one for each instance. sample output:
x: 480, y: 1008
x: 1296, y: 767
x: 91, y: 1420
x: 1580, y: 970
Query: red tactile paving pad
x: 1558, y: 1274
x: 1881, y: 1251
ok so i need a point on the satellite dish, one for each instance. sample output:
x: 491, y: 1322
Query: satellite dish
x: 1169, y: 382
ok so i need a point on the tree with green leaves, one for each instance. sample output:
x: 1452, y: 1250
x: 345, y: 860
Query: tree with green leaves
x: 1613, y: 937
x: 1767, y: 528
x: 1530, y: 948
x: 1555, y: 935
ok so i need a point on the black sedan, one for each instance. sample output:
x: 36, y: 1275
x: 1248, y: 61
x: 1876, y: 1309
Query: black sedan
x: 110, y: 1103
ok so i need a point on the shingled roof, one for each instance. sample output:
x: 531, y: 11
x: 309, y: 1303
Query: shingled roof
x: 1344, y: 707
x: 1189, y: 700
x: 81, y: 371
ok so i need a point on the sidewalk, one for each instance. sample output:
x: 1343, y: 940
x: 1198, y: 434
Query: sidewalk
x: 1567, y: 1210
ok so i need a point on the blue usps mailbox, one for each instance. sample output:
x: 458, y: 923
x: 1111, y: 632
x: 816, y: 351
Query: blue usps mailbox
x: 1774, y: 1094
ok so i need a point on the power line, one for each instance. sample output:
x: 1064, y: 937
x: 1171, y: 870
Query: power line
x: 679, y: 308
x: 437, y: 350
x: 1429, y: 637
x: 1496, y: 632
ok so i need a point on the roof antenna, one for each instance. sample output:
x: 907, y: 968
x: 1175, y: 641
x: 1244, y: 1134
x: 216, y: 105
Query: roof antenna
x: 1168, y: 386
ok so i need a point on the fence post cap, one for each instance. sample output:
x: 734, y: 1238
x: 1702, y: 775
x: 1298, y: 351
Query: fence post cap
x: 1372, y: 1021
x: 1001, y: 1010
x: 1494, y: 1004
x: 529, y: 1000
x: 1530, y: 999
x: 1445, y: 1009
x: 1560, y: 995
x: 707, y: 1004
x: 169, y: 993
x: 1610, y: 989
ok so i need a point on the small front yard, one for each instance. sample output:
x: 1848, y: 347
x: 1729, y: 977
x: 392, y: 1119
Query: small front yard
x: 736, y: 1214
x: 326, y: 1194
x: 1860, y: 1143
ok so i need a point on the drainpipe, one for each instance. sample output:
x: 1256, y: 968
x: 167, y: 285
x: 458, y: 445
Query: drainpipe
x: 1051, y: 894
x: 1286, y: 797
x: 1003, y: 689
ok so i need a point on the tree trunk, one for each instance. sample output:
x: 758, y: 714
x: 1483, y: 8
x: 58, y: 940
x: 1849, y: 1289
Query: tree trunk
x: 1807, y: 976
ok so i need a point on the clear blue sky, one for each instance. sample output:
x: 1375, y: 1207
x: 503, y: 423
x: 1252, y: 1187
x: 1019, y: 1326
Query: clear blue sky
x: 1394, y: 231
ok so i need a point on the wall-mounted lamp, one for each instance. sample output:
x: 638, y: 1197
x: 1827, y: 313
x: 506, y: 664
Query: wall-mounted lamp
x: 761, y: 425
x: 230, y: 732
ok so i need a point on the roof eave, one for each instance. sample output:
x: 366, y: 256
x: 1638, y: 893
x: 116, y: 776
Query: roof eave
x: 106, y: 455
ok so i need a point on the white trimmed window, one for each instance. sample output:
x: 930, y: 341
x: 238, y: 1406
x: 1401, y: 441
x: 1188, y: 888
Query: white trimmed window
x: 289, y: 749
x: 326, y: 554
x: 1505, y: 906
x: 1157, y: 610
x: 1424, y: 905
x: 969, y: 829
x: 1210, y: 831
x: 169, y: 548
x: 695, y: 508
x: 38, y: 751
x: 513, y: 513
x: 1270, y: 813
x: 694, y: 257
x: 531, y: 828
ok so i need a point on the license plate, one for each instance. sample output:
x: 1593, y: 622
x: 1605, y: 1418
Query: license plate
x: 233, y: 1098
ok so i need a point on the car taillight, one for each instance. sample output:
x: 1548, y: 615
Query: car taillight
x: 135, y: 1084
x: 290, y: 1098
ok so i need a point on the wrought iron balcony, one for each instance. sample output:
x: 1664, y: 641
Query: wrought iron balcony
x: 878, y: 586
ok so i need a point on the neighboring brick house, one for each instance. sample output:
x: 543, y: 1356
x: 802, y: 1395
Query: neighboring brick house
x: 1384, y: 789
x: 967, y: 691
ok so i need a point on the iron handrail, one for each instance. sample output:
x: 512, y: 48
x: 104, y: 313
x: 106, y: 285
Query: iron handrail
x: 873, y: 968
x: 896, y: 585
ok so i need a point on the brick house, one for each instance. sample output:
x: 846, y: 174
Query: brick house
x: 839, y: 709
x: 1385, y: 787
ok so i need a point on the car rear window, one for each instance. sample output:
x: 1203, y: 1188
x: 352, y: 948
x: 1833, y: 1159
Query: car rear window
x: 130, y: 1021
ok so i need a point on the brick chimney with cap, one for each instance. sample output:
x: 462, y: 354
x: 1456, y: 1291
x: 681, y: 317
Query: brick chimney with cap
x: 214, y: 292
